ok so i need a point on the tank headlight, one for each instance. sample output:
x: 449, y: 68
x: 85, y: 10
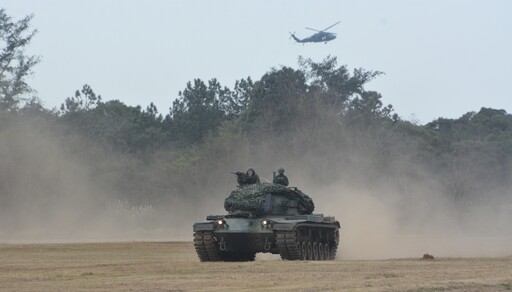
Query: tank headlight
x: 221, y: 223
x: 265, y: 223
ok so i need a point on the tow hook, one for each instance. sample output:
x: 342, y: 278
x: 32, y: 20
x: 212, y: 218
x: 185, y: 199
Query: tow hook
x: 222, y: 244
x: 268, y: 244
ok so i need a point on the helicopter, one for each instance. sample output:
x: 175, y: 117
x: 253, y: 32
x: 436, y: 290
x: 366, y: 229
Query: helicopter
x: 320, y: 36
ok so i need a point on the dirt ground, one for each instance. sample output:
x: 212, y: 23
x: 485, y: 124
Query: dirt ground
x: 173, y: 266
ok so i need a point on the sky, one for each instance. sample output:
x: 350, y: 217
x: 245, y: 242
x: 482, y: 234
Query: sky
x: 440, y: 58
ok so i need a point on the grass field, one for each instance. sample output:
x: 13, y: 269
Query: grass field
x: 173, y: 266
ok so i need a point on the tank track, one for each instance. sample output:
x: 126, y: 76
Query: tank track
x: 286, y: 242
x: 207, y: 250
x: 206, y: 247
x: 334, y: 249
x: 290, y: 249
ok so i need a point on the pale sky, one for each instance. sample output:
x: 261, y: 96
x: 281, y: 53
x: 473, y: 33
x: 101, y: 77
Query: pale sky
x: 441, y: 58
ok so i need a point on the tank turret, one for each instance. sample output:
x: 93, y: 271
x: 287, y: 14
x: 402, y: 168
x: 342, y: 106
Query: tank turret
x: 269, y: 199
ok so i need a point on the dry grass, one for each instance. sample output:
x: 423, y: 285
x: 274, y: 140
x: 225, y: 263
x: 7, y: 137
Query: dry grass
x: 173, y: 266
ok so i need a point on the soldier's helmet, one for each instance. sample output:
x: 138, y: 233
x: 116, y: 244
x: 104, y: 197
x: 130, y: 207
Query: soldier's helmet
x: 280, y: 170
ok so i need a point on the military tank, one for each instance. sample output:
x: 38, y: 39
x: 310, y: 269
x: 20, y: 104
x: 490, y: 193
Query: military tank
x: 267, y: 218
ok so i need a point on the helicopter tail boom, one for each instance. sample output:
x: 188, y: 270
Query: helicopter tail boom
x: 295, y: 38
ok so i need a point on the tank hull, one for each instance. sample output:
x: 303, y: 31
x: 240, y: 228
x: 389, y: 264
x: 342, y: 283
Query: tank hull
x: 301, y: 237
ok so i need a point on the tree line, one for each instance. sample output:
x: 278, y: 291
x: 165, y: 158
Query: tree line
x: 317, y: 119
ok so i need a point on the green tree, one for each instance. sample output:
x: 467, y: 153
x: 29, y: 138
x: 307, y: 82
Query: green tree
x: 473, y: 152
x: 83, y: 100
x: 275, y: 99
x: 15, y: 65
x: 125, y: 128
x: 198, y: 110
x: 367, y: 105
x: 336, y: 83
x: 236, y: 102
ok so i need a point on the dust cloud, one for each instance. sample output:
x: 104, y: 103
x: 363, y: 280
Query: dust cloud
x: 52, y: 192
x: 375, y: 225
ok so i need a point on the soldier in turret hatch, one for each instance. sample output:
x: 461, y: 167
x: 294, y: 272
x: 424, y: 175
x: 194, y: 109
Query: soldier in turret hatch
x: 248, y: 178
x: 280, y: 178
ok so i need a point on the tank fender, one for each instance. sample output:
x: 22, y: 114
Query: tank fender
x: 291, y: 224
x: 283, y: 226
x: 203, y: 226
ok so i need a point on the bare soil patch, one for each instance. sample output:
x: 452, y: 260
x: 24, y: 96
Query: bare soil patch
x: 173, y: 266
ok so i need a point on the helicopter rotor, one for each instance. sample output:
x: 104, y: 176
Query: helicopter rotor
x: 324, y: 29
x: 332, y: 25
x: 313, y: 29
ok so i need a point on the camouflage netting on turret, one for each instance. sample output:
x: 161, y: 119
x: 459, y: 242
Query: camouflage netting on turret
x: 251, y: 198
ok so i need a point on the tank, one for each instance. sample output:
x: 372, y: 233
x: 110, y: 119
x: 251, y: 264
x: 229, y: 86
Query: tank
x: 267, y: 218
